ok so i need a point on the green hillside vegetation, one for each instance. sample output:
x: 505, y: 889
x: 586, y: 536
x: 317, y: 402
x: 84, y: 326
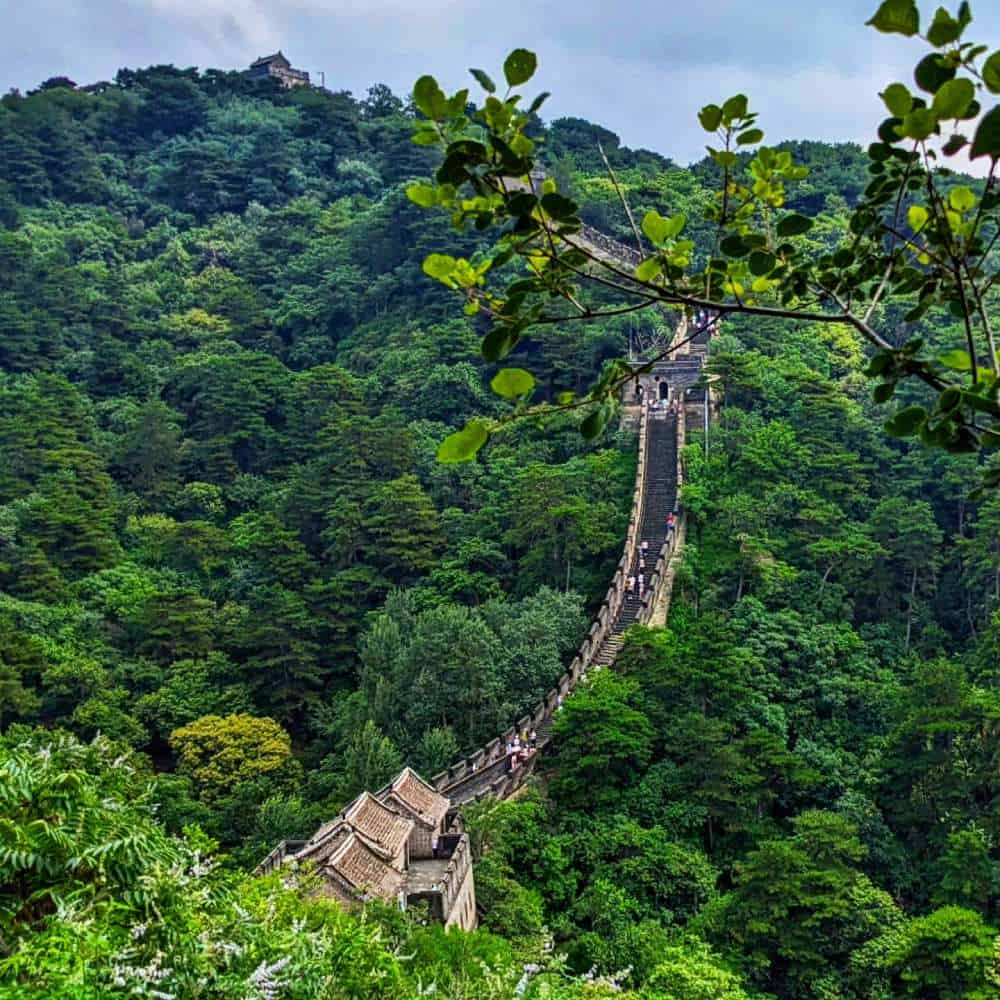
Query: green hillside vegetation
x: 236, y: 588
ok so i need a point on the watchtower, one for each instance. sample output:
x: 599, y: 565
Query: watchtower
x: 278, y: 67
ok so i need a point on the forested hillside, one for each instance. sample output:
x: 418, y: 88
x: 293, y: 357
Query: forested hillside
x: 224, y: 383
x: 236, y: 588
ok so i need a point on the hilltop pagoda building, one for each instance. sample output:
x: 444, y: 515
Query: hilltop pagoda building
x: 278, y: 67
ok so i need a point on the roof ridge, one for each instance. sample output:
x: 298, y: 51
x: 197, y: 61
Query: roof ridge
x: 407, y: 770
x: 352, y: 841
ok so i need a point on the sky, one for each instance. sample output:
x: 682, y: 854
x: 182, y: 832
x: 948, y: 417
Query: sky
x: 639, y: 67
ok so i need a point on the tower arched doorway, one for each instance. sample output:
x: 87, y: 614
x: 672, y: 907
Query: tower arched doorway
x: 664, y: 390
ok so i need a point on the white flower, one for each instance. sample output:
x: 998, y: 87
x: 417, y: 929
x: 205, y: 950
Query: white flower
x: 264, y: 979
x: 201, y: 867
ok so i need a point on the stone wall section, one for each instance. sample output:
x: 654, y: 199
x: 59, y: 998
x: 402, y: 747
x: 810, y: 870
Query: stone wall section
x: 487, y: 772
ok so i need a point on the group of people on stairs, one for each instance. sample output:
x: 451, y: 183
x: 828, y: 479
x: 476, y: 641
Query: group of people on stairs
x: 521, y: 748
x: 637, y: 581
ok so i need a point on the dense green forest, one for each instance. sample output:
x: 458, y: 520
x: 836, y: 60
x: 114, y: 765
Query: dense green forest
x: 236, y: 588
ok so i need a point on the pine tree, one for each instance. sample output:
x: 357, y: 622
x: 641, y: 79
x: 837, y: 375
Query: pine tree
x: 404, y: 528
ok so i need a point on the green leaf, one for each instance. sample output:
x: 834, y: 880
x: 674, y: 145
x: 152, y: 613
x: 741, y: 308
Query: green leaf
x: 954, y: 144
x: 793, y: 225
x: 521, y: 203
x: 887, y: 130
x: 883, y: 393
x: 944, y: 29
x: 906, y: 422
x: 654, y: 226
x: 761, y: 262
x: 962, y: 199
x: 733, y: 246
x: 897, y: 98
x: 735, y: 107
x: 521, y: 144
x: 954, y: 97
x: 931, y: 72
x: 659, y: 229
x: 484, y: 80
x: 538, y: 101
x: 723, y: 157
x: 879, y: 363
x: 463, y: 445
x: 899, y: 17
x: 917, y: 216
x: 429, y: 97
x: 675, y: 224
x: 949, y: 399
x: 439, y: 266
x: 519, y: 67
x: 751, y: 136
x: 981, y: 403
x: 457, y: 102
x: 425, y: 136
x: 512, y: 383
x: 594, y: 423
x: 422, y: 194
x: 991, y: 73
x: 559, y: 206
x: 498, y: 343
x: 918, y: 124
x: 987, y: 140
x: 956, y: 359
x: 648, y: 269
x: 710, y: 117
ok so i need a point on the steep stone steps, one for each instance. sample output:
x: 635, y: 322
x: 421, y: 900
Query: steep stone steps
x: 659, y: 500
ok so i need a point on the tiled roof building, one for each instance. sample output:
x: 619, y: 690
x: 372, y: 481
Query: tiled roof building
x: 278, y: 67
x: 384, y: 828
x: 357, y: 872
x: 410, y: 795
x: 392, y: 846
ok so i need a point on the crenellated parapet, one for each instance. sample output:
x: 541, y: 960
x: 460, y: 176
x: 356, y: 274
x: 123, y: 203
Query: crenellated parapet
x: 491, y: 771
x: 655, y: 532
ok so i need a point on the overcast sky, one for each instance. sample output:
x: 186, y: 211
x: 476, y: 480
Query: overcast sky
x: 639, y: 67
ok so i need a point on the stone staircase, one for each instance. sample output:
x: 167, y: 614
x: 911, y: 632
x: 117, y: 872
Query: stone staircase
x: 659, y: 500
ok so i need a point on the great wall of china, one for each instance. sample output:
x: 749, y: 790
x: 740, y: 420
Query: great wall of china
x: 406, y: 841
x: 489, y: 771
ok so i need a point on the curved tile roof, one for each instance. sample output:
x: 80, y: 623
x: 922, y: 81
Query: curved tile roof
x: 411, y: 791
x: 385, y: 828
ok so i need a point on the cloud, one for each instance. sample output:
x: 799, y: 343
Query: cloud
x: 638, y: 67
